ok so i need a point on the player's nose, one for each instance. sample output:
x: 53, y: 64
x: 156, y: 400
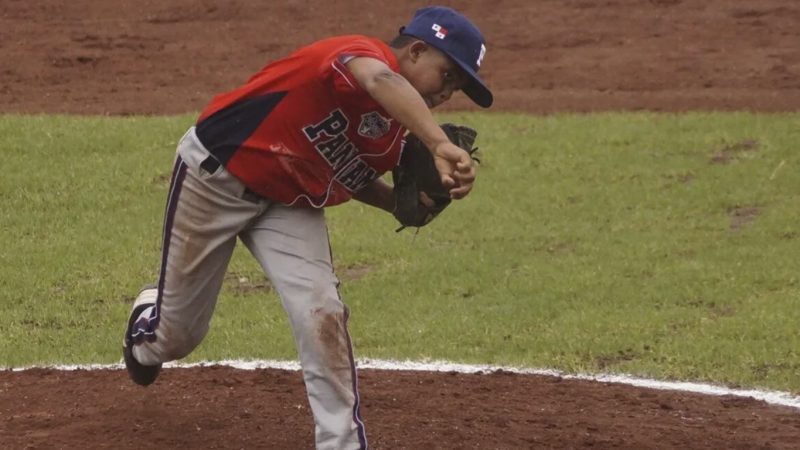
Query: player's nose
x: 445, y: 95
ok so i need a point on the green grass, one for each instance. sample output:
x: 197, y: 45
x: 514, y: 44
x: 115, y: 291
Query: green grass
x: 658, y: 245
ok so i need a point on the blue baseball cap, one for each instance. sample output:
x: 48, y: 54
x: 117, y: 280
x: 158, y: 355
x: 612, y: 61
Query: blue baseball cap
x: 457, y: 37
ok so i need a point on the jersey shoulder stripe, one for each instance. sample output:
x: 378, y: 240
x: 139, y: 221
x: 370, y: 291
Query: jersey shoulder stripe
x: 223, y: 132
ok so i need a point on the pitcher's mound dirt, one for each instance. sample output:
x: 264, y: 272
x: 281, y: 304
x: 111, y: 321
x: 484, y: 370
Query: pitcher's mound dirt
x: 219, y: 407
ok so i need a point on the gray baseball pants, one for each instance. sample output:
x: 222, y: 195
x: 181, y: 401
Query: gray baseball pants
x: 205, y: 213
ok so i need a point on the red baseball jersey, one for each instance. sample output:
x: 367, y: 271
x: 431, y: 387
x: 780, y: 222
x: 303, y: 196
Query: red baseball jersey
x: 302, y: 131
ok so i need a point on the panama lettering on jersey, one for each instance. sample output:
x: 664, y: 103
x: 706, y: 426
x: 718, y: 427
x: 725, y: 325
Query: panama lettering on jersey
x: 330, y: 139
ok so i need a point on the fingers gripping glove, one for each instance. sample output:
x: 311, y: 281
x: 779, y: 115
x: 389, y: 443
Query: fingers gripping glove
x: 417, y: 173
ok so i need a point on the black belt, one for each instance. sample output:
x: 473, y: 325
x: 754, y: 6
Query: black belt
x: 210, y: 164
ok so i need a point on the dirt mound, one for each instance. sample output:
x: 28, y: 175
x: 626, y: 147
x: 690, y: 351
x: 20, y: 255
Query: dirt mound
x: 154, y: 57
x: 219, y: 407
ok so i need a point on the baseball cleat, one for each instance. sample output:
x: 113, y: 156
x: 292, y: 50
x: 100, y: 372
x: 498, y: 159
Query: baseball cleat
x: 140, y: 374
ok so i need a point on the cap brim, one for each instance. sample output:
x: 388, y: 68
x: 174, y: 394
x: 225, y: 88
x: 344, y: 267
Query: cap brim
x: 475, y: 89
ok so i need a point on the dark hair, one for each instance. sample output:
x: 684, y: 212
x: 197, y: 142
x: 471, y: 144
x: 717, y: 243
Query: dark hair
x: 401, y: 40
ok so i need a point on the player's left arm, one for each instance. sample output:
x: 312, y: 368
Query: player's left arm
x: 399, y: 98
x: 378, y: 194
x: 381, y: 195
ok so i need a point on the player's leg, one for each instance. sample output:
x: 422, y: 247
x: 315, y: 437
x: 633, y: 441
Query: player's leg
x: 292, y: 246
x: 204, y: 214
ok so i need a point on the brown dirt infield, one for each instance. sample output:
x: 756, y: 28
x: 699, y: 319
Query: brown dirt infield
x: 156, y: 57
x: 153, y: 57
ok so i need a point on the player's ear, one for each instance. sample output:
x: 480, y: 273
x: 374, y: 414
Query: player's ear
x: 416, y: 49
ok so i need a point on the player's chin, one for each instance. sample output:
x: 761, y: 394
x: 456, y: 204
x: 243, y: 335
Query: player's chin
x: 434, y: 101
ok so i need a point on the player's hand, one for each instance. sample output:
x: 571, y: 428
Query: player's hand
x: 455, y: 167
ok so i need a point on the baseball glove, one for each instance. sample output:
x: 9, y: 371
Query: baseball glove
x: 417, y: 173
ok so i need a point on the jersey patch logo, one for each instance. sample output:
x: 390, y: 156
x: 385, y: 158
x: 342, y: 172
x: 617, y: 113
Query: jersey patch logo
x: 373, y: 125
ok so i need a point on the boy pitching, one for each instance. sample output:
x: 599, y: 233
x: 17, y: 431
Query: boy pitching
x: 261, y: 163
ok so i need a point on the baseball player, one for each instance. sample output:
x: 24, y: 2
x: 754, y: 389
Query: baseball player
x: 261, y: 163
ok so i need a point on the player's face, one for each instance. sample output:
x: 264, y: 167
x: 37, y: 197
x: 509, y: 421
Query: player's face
x: 433, y: 74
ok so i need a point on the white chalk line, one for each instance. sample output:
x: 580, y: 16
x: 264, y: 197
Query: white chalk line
x: 771, y: 397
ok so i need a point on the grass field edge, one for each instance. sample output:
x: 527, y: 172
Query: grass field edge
x: 776, y: 398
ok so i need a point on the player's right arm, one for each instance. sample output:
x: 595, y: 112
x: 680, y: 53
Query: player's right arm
x: 399, y: 98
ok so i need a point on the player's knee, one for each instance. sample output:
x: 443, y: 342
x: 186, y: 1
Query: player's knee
x: 318, y: 290
x: 328, y: 307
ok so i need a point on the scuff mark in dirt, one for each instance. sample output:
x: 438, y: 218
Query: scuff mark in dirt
x: 742, y: 215
x: 162, y: 179
x: 353, y: 272
x: 732, y: 152
x: 243, y: 285
x: 720, y: 311
x: 666, y: 2
x: 605, y: 361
